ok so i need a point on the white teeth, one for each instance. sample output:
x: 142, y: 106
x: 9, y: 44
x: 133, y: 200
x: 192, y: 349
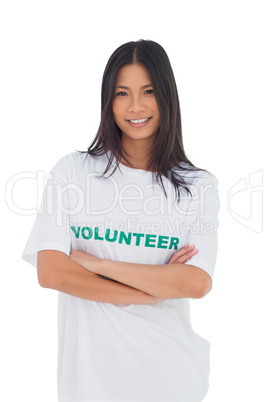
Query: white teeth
x: 140, y: 120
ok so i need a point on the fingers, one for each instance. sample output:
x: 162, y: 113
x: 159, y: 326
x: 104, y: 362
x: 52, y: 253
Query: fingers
x: 178, y: 253
x: 184, y: 254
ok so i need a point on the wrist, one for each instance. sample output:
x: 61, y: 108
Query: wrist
x: 100, y: 265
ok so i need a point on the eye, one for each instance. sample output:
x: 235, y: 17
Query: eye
x: 149, y: 91
x: 121, y: 94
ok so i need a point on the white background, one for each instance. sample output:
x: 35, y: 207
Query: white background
x: 53, y: 56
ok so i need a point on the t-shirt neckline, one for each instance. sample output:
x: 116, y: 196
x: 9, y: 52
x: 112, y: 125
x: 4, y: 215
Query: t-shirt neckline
x: 127, y: 169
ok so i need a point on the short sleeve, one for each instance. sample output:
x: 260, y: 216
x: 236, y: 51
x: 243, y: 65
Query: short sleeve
x: 50, y: 231
x: 202, y: 222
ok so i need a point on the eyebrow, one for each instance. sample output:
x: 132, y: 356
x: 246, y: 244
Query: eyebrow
x: 144, y: 86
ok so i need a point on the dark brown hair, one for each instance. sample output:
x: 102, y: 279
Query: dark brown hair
x: 167, y: 151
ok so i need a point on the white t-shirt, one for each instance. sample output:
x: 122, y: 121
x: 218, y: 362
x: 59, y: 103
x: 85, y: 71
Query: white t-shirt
x: 116, y: 352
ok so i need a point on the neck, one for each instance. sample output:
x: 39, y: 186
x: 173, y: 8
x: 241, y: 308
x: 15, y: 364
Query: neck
x: 138, y: 153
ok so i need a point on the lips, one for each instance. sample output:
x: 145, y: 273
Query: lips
x: 139, y: 122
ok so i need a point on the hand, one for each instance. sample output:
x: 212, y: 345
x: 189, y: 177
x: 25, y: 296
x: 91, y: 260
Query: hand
x: 183, y: 255
x: 87, y: 261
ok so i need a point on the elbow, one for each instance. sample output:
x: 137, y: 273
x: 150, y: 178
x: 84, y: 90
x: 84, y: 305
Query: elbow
x: 51, y: 266
x: 195, y: 283
x: 202, y: 286
x: 199, y: 293
x: 43, y: 278
x: 44, y: 272
x: 42, y: 282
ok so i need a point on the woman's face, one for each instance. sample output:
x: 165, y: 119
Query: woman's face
x: 134, y: 107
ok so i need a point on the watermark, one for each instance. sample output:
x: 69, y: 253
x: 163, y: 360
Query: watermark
x: 245, y: 201
x: 95, y: 199
x: 173, y: 227
x: 24, y: 179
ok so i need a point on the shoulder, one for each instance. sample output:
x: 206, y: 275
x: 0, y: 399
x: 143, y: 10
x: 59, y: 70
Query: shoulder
x: 207, y: 180
x: 196, y: 177
x: 205, y: 193
x: 79, y: 161
x: 67, y: 161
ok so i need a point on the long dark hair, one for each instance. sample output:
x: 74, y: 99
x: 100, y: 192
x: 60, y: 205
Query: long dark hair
x: 167, y: 151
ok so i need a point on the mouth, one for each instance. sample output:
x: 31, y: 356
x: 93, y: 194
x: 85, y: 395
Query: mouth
x: 139, y: 122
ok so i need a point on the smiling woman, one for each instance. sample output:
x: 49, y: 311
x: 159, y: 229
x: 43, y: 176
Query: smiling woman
x: 129, y: 338
x: 136, y: 112
x: 138, y: 75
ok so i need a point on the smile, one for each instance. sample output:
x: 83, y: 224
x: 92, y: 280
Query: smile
x: 140, y: 120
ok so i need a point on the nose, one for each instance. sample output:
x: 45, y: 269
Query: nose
x: 136, y: 105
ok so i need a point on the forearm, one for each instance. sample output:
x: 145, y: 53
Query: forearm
x: 170, y: 281
x: 57, y: 271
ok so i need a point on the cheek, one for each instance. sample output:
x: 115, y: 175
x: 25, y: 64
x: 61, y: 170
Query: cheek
x: 117, y: 116
x: 117, y: 111
x: 114, y: 109
x: 154, y: 107
x: 157, y: 115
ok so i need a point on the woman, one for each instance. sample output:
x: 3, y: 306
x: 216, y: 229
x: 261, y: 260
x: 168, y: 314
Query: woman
x: 127, y: 233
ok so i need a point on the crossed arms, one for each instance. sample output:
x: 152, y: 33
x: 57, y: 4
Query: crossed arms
x: 79, y: 275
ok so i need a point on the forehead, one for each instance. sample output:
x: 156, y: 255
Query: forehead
x: 133, y: 74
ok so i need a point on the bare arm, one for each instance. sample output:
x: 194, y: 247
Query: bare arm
x: 169, y: 281
x: 57, y: 271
